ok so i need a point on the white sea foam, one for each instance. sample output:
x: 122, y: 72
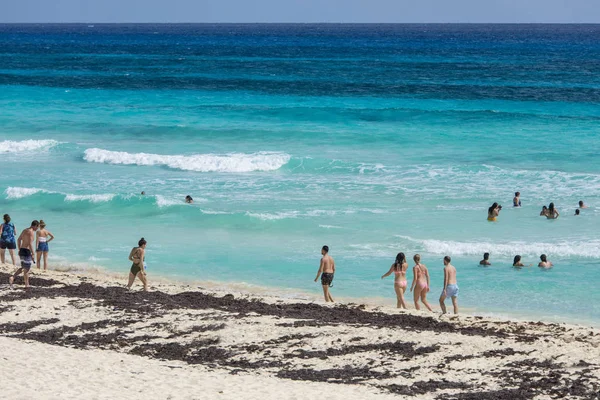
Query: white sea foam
x: 162, y: 201
x: 94, y: 198
x: 234, y: 162
x: 587, y: 249
x: 275, y: 216
x: 20, y: 192
x: 11, y: 146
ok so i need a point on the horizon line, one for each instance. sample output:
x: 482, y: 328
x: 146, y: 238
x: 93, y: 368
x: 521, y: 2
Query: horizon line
x: 300, y: 23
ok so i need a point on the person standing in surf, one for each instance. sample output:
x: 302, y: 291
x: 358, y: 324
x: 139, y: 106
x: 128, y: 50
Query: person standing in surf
x: 420, y: 283
x: 399, y: 268
x: 326, y: 271
x: 137, y: 256
x: 43, y: 237
x: 552, y: 212
x: 7, y: 239
x: 493, y: 212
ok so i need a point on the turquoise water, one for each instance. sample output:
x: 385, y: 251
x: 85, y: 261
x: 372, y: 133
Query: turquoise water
x: 370, y: 139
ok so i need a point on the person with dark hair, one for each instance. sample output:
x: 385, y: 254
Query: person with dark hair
x: 43, y: 237
x: 493, y: 212
x: 326, y: 271
x: 577, y: 211
x: 581, y: 205
x: 552, y: 212
x: 450, y: 286
x: 7, y: 239
x: 544, y: 211
x: 25, y: 244
x: 420, y: 283
x: 544, y: 263
x: 188, y: 199
x: 517, y: 199
x: 399, y: 268
x: 518, y: 263
x: 486, y: 259
x: 137, y: 256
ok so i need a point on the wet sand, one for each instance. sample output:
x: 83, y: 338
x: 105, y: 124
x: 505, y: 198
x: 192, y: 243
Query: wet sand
x: 178, y: 341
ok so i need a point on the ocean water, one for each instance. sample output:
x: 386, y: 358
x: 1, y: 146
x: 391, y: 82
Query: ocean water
x: 372, y: 139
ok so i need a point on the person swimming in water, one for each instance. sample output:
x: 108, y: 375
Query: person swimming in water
x: 577, y: 211
x: 544, y: 263
x: 517, y: 262
x: 544, y: 211
x: 517, y: 199
x: 493, y: 212
x: 552, y: 212
x: 188, y: 199
x: 486, y: 259
x: 581, y: 205
x: 420, y: 283
x: 399, y: 268
x: 137, y: 256
x: 327, y: 271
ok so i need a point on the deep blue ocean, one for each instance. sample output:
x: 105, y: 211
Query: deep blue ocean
x: 372, y: 139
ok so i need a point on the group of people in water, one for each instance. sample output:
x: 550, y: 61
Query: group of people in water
x: 517, y: 263
x: 549, y: 212
x: 37, y: 233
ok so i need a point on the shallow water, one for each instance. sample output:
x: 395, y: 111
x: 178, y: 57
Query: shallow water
x: 371, y: 139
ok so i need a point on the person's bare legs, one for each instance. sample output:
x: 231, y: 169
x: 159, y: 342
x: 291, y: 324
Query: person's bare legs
x: 442, y: 304
x: 417, y: 294
x: 45, y: 261
x: 142, y: 277
x: 455, y: 304
x: 400, y: 296
x: 11, y: 280
x: 131, y: 279
x: 38, y: 257
x: 12, y: 256
x: 326, y: 294
x: 424, y: 299
x: 2, y: 255
x: 26, y: 278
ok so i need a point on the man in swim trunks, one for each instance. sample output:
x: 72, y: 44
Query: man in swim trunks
x: 450, y: 286
x: 25, y: 245
x: 517, y: 199
x: 326, y: 271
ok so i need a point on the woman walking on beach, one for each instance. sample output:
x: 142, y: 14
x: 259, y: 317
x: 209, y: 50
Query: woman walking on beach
x: 42, y: 239
x: 399, y: 268
x: 493, y: 212
x: 137, y: 256
x: 7, y: 239
x: 420, y: 283
x: 552, y: 212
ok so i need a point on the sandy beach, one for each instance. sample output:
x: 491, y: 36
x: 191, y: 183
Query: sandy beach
x: 78, y: 336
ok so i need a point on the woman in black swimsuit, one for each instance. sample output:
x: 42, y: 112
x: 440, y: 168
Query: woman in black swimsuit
x: 137, y: 256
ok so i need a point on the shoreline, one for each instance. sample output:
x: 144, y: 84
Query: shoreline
x: 290, y: 346
x: 112, y: 277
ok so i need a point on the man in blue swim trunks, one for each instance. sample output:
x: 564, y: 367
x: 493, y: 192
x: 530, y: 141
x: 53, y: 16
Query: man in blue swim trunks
x: 450, y: 286
x: 25, y: 245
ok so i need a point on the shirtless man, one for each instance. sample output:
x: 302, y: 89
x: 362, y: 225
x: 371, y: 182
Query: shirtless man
x: 581, y: 205
x: 326, y: 271
x: 517, y: 199
x: 25, y: 246
x: 486, y: 259
x: 450, y: 286
x: 544, y: 263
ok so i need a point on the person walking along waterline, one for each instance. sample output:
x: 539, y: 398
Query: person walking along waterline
x: 326, y: 271
x: 25, y: 243
x: 399, y: 268
x: 137, y: 256
x: 43, y: 237
x: 450, y: 286
x: 7, y: 239
x: 420, y: 283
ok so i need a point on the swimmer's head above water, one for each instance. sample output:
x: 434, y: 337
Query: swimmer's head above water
x: 486, y: 256
x: 577, y: 211
x: 543, y: 258
x: 188, y: 199
x: 516, y: 260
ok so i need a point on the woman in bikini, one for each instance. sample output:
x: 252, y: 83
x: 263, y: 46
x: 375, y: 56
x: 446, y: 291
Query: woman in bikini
x: 552, y: 212
x: 43, y: 237
x: 137, y: 256
x: 493, y: 212
x: 399, y: 268
x: 420, y: 283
